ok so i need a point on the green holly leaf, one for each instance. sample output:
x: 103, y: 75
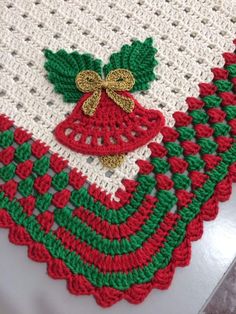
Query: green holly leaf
x: 63, y: 68
x: 139, y: 58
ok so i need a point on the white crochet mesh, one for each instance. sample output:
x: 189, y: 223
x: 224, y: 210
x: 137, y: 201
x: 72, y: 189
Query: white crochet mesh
x: 190, y: 36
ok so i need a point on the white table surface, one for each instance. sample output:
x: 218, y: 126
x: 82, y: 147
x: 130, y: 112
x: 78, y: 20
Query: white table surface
x: 26, y: 289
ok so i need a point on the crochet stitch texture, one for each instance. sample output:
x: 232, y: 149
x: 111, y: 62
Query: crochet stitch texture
x: 107, y: 120
x: 110, y: 130
x: 123, y: 249
x: 116, y: 234
x: 190, y: 36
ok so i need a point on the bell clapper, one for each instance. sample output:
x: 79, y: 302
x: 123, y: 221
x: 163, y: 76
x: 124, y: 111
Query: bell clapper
x: 112, y: 161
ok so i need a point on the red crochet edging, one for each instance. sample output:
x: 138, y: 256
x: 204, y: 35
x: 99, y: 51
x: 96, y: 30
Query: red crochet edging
x: 106, y: 296
x: 125, y: 229
x: 136, y: 259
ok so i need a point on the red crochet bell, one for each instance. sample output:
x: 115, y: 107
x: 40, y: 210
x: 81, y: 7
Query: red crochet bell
x: 111, y: 130
x: 107, y: 121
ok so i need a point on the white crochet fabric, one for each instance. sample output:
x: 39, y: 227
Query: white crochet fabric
x: 190, y: 36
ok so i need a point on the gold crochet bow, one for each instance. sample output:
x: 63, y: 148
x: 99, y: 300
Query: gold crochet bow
x: 89, y: 81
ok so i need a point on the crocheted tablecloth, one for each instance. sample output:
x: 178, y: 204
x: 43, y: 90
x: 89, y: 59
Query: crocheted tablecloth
x: 117, y: 233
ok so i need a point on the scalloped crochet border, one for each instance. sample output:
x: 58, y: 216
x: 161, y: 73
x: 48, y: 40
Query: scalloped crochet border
x: 106, y: 296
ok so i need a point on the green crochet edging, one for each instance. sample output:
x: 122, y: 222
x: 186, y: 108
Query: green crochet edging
x: 82, y: 198
x: 64, y: 217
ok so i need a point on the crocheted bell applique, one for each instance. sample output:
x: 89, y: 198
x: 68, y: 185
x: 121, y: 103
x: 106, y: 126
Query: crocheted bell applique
x: 107, y: 121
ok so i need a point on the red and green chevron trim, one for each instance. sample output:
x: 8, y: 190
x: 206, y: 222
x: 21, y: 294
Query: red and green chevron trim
x: 123, y: 249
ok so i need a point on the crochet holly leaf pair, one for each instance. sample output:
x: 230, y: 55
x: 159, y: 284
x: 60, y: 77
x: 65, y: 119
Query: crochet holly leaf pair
x: 63, y: 67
